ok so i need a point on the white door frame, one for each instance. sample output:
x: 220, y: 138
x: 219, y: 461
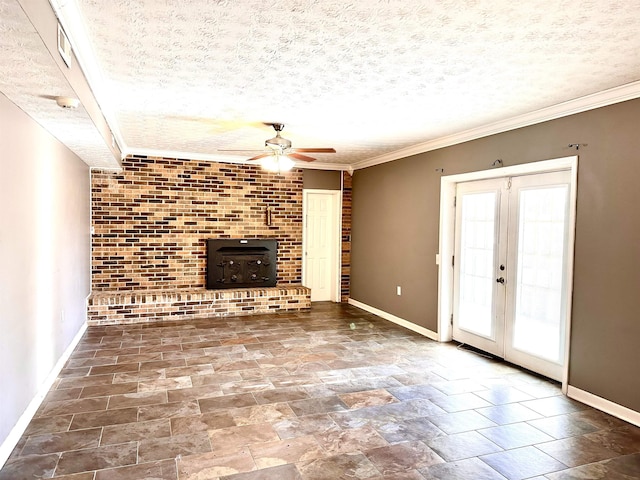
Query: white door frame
x: 337, y: 243
x: 447, y: 239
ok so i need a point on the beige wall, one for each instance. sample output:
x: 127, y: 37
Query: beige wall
x: 395, y: 236
x: 44, y: 258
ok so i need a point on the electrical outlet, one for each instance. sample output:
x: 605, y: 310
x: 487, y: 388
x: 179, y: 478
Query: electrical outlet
x: 398, y: 290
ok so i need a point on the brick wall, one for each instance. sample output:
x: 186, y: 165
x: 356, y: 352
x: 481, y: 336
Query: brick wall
x: 345, y: 274
x: 152, y: 219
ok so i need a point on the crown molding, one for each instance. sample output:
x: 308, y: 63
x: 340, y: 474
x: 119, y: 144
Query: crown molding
x: 148, y: 152
x: 614, y: 95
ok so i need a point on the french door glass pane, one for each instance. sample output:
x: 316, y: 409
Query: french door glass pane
x: 538, y: 305
x: 476, y: 263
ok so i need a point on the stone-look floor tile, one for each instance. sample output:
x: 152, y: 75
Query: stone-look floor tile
x: 352, y: 440
x: 557, y: 405
x: 280, y: 452
x: 85, y: 381
x: 540, y: 390
x: 281, y: 395
x: 162, y: 470
x: 115, y: 368
x: 241, y: 436
x: 133, y: 377
x: 64, y: 394
x: 418, y: 407
x: 350, y: 466
x: 162, y: 448
x: 460, y: 402
x: 226, y: 402
x: 201, y: 423
x: 97, y: 458
x: 67, y: 407
x: 107, y: 417
x: 282, y: 472
x: 77, y: 476
x: 461, y: 422
x: 469, y: 469
x: 411, y: 392
x: 624, y: 440
x: 522, y: 463
x: 247, y: 386
x: 215, y: 464
x: 461, y: 446
x: 106, y: 390
x: 168, y: 410
x: 268, y: 413
x: 195, y: 393
x: 317, y: 405
x: 562, y: 426
x: 135, y: 431
x: 515, y: 435
x: 508, y: 413
x: 408, y: 430
x: 29, y: 467
x: 61, y: 442
x: 49, y: 425
x: 576, y: 451
x: 500, y: 395
x: 215, y: 379
x: 294, y: 380
x: 455, y: 387
x: 305, y: 425
x: 137, y: 399
x: 626, y: 467
x: 337, y: 380
x: 161, y: 364
x: 368, y: 398
x: 402, y: 457
x: 173, y: 383
x: 195, y: 370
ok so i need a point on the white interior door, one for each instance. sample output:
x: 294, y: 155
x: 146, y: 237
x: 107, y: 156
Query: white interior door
x: 320, y: 243
x: 510, y: 270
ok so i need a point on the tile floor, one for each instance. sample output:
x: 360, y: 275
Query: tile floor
x: 336, y: 393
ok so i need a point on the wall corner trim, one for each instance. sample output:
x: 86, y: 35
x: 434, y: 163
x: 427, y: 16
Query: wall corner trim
x: 604, y: 405
x: 21, y: 425
x: 397, y: 320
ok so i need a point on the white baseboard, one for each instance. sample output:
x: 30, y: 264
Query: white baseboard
x: 397, y: 320
x: 605, y: 405
x: 23, y: 422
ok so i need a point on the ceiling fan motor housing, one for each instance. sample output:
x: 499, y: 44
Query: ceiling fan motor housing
x: 278, y: 142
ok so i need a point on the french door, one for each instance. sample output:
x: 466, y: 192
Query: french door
x: 510, y: 268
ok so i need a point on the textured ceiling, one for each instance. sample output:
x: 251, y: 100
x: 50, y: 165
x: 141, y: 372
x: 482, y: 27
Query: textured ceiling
x: 368, y: 78
x: 31, y: 79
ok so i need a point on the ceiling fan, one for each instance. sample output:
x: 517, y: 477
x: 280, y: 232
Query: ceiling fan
x: 278, y: 157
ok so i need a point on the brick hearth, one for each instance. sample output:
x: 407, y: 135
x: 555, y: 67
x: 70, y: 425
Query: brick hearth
x: 122, y: 307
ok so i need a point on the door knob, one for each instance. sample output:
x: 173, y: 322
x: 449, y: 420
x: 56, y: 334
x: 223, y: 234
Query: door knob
x: 500, y: 280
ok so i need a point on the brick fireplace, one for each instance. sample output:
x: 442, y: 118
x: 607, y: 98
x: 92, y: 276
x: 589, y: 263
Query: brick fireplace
x: 151, y: 223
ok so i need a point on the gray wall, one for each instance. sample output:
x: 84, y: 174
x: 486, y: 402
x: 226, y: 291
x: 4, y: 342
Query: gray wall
x: 44, y: 257
x: 321, y: 179
x: 395, y: 236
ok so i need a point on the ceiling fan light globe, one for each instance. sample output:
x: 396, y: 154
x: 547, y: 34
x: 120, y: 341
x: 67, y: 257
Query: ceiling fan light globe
x: 285, y: 163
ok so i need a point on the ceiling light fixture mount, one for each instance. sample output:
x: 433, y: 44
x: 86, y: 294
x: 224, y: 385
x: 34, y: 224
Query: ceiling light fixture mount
x: 277, y: 142
x: 68, y: 103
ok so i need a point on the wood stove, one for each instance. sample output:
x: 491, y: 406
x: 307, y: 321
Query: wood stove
x: 236, y: 263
